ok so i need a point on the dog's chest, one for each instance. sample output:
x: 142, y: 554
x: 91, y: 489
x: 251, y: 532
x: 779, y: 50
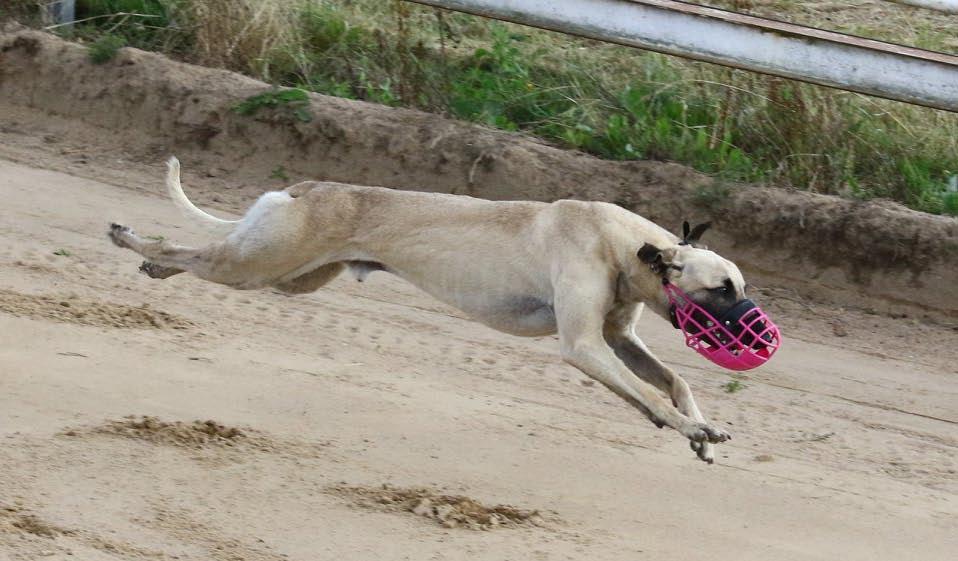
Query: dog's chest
x: 519, y: 315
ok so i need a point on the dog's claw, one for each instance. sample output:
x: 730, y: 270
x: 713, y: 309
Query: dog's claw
x: 116, y: 233
x: 715, y: 435
x: 155, y: 271
x: 705, y: 433
x: 704, y: 450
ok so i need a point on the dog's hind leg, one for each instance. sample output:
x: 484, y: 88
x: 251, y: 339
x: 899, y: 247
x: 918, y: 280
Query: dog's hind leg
x: 311, y: 281
x: 620, y: 335
x: 165, y: 259
x: 161, y: 255
x: 265, y: 247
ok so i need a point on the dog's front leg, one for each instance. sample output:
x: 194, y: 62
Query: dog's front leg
x: 581, y: 308
x: 643, y: 364
x: 620, y: 335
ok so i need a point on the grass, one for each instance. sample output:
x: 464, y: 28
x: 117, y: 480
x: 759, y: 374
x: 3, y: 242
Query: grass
x: 104, y: 49
x: 63, y: 252
x: 611, y: 101
x: 294, y: 101
x: 26, y: 11
x: 733, y: 386
x: 279, y: 172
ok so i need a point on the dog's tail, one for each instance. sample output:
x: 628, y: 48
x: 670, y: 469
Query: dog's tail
x: 186, y: 207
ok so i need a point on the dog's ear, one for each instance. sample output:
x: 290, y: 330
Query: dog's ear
x: 649, y: 254
x: 692, y: 235
x: 696, y: 233
x: 659, y: 260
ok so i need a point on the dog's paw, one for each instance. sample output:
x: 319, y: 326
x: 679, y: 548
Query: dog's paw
x: 704, y: 450
x: 155, y: 271
x: 701, y: 432
x: 118, y: 234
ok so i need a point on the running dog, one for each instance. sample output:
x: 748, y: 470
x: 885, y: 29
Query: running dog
x: 584, y: 270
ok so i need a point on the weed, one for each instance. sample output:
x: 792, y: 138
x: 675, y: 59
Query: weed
x: 63, y: 252
x: 733, y: 386
x: 104, y: 49
x: 23, y: 10
x: 156, y: 238
x: 279, y: 172
x: 712, y: 196
x: 295, y: 100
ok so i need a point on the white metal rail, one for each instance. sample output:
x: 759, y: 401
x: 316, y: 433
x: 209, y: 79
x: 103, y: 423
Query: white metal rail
x: 60, y: 11
x: 948, y: 6
x: 771, y: 47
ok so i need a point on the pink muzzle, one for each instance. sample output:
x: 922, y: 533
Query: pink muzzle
x: 743, y: 339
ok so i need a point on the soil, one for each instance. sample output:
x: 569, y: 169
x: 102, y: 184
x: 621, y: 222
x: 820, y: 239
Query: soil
x: 450, y: 511
x: 845, y: 445
x: 71, y: 310
x: 17, y: 521
x: 197, y: 434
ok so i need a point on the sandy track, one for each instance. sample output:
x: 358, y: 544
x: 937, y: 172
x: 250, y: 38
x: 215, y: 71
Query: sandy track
x: 838, y: 454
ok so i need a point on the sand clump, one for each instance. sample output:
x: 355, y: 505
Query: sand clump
x: 14, y: 520
x: 212, y: 440
x: 450, y: 511
x: 196, y: 434
x: 82, y: 312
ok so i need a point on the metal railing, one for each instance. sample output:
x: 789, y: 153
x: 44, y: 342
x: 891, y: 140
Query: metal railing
x: 60, y: 12
x: 741, y: 41
x: 947, y: 6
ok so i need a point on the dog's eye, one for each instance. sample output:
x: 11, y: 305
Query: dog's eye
x: 726, y: 287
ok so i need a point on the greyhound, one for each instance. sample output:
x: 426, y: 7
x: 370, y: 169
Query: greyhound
x: 584, y: 270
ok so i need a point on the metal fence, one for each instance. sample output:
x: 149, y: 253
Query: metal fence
x: 947, y: 6
x: 741, y: 41
x: 60, y: 11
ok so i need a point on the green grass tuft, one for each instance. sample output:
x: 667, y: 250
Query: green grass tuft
x: 295, y: 100
x: 279, y: 172
x: 104, y: 49
x: 733, y: 386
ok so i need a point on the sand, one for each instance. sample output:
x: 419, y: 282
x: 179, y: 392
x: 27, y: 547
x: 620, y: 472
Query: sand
x: 840, y: 450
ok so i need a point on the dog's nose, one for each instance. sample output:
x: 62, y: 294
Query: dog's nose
x: 742, y: 321
x: 732, y: 318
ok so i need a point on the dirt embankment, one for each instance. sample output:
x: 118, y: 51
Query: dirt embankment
x: 875, y: 254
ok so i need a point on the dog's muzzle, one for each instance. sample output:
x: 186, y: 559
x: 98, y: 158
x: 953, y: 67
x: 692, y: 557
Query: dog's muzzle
x: 742, y: 339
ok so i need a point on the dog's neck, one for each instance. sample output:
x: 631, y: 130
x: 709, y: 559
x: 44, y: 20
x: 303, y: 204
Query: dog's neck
x: 637, y: 282
x: 642, y: 286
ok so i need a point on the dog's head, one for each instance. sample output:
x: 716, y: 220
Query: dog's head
x: 712, y: 281
x: 704, y: 295
x: 695, y: 269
